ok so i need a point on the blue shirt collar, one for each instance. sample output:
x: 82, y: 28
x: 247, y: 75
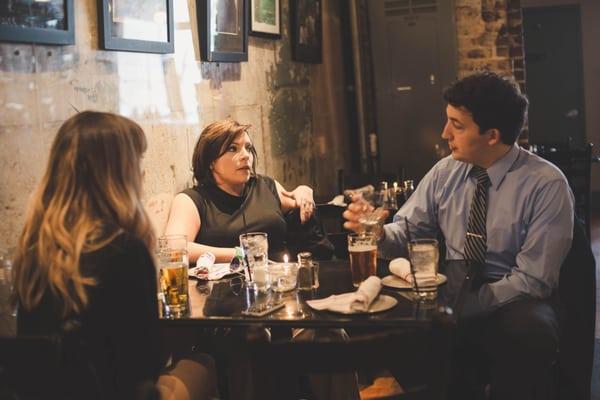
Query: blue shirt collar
x: 498, y: 170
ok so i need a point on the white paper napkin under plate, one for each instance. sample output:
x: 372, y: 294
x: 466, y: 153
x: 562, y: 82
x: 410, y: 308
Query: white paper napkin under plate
x: 365, y: 299
x: 213, y: 272
x: 383, y: 302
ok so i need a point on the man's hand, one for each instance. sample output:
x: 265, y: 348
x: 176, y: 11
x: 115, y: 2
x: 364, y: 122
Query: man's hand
x: 356, y: 211
x: 303, y: 196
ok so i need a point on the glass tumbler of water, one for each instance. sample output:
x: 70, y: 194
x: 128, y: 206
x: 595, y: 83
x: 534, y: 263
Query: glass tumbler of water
x: 173, y: 273
x: 424, y: 255
x: 256, y: 253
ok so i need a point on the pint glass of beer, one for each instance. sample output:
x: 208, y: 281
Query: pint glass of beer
x: 173, y: 276
x: 363, y: 256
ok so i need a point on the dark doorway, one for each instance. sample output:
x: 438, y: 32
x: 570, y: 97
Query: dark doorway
x: 554, y: 75
x: 414, y: 58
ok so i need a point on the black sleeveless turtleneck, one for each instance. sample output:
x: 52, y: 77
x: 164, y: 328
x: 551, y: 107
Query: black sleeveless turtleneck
x: 222, y: 215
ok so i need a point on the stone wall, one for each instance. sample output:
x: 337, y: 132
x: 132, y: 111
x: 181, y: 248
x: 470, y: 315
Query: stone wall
x: 490, y: 36
x: 298, y: 122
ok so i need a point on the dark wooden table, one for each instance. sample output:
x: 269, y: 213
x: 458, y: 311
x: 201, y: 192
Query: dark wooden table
x: 220, y: 304
x: 413, y: 338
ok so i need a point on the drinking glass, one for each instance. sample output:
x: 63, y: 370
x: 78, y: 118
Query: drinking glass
x: 374, y: 203
x: 283, y: 276
x: 362, y: 248
x: 424, y: 256
x: 173, y: 274
x: 256, y: 252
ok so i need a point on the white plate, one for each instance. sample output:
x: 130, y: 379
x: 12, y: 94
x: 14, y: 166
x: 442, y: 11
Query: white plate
x: 399, y: 283
x: 383, y: 302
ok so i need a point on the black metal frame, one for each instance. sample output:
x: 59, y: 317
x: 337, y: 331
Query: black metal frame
x: 109, y: 42
x: 263, y: 34
x: 300, y: 52
x: 14, y: 33
x: 203, y: 15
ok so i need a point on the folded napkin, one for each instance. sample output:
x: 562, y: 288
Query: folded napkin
x: 401, y: 268
x: 358, y: 301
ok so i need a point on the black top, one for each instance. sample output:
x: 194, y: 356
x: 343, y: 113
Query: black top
x: 224, y: 217
x: 119, y: 329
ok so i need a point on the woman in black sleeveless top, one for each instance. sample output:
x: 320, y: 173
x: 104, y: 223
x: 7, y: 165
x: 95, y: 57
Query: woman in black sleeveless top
x: 230, y: 198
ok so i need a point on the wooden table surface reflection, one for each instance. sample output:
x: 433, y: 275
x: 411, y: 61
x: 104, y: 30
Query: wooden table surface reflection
x: 220, y: 304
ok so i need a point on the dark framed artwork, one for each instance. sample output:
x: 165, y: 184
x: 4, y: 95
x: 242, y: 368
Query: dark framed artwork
x: 265, y: 18
x: 136, y: 25
x: 306, y: 19
x: 47, y: 22
x: 223, y: 30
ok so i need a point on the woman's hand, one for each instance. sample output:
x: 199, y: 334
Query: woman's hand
x: 303, y: 198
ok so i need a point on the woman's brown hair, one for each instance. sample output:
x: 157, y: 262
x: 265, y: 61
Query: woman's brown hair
x: 89, y: 194
x: 212, y: 144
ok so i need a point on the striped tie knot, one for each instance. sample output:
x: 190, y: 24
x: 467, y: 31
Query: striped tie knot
x: 482, y: 176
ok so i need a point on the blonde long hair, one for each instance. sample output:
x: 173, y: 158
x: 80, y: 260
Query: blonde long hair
x: 89, y: 194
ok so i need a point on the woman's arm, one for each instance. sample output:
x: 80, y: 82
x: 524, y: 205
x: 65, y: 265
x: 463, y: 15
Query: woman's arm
x: 185, y: 219
x: 301, y: 197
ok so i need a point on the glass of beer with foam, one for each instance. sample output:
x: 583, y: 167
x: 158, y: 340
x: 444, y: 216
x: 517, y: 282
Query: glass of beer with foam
x: 362, y: 248
x: 173, y: 274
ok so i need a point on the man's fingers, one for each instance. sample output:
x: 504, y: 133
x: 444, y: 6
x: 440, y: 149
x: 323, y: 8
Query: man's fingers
x: 350, y: 216
x: 352, y: 226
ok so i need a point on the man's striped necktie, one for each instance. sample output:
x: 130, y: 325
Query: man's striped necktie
x: 475, y: 242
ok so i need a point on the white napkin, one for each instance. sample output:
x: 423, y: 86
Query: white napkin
x: 401, y: 268
x: 211, y: 273
x: 351, y: 302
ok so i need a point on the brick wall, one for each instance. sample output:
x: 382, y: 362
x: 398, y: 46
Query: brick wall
x: 490, y: 36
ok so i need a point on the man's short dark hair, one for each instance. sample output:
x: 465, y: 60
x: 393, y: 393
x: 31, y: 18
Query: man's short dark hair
x: 494, y: 101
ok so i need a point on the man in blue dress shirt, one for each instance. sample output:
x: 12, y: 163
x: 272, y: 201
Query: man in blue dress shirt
x: 509, y: 329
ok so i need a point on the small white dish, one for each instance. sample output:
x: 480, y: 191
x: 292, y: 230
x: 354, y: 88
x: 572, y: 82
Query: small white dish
x: 396, y: 282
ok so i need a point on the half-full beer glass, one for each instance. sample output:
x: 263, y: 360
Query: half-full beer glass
x: 424, y: 255
x: 173, y: 275
x: 362, y: 248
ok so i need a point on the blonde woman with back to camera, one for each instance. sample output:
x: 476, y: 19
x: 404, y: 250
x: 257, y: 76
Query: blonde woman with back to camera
x: 84, y: 270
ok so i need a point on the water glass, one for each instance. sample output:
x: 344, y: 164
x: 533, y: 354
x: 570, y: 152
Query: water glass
x: 173, y: 274
x: 362, y: 248
x: 424, y: 256
x: 283, y: 276
x: 256, y: 252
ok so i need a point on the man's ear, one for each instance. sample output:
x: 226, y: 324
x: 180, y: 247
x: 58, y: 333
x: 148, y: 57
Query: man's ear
x: 494, y: 136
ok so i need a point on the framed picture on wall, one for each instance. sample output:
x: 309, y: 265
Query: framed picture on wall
x: 265, y: 18
x: 223, y: 30
x: 136, y: 25
x: 306, y: 18
x: 48, y: 22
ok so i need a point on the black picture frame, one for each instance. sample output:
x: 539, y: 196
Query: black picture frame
x: 306, y: 30
x: 265, y: 18
x: 18, y: 22
x: 229, y: 41
x: 115, y: 14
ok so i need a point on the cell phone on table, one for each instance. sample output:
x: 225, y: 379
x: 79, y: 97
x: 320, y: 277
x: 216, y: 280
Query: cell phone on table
x: 262, y: 309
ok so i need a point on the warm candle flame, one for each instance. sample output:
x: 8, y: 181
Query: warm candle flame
x: 285, y: 258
